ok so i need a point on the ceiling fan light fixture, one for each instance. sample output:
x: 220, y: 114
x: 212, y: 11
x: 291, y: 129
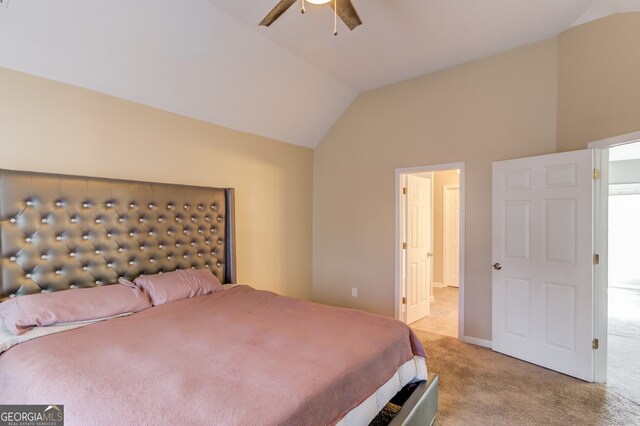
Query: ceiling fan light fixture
x: 341, y: 8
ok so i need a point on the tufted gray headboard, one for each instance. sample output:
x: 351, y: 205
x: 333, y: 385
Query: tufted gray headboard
x: 59, y: 232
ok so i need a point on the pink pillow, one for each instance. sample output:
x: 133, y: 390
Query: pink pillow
x: 170, y: 286
x: 23, y: 313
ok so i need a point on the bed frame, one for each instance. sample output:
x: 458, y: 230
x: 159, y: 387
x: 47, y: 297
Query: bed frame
x: 421, y: 406
x: 59, y: 232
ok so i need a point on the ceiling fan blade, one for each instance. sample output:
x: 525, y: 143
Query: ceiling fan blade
x: 347, y: 13
x: 277, y: 11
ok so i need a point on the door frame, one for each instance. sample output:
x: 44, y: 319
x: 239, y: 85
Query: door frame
x: 400, y: 215
x: 601, y: 244
x: 446, y: 206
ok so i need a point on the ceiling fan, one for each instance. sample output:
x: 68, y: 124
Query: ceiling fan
x: 342, y: 8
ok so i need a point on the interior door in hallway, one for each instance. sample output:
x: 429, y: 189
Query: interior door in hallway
x: 451, y: 237
x: 419, y: 240
x: 543, y: 253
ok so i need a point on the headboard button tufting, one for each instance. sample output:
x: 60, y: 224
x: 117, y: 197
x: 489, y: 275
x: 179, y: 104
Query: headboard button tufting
x: 64, y: 231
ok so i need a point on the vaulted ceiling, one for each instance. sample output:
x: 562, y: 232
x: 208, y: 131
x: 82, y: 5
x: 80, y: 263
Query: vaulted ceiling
x: 209, y: 59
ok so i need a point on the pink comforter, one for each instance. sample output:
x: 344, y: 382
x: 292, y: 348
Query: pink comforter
x: 237, y: 357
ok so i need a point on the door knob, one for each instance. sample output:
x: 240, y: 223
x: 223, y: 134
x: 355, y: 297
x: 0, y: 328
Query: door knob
x: 497, y: 266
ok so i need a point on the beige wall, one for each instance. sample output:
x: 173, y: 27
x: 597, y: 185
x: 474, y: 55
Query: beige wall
x: 599, y: 75
x: 448, y: 177
x: 52, y: 127
x: 496, y: 108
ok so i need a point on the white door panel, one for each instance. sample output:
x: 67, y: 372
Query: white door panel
x: 451, y: 236
x: 542, y: 238
x: 419, y: 247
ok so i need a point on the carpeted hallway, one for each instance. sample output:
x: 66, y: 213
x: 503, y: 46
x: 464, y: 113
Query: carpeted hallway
x: 623, y: 369
x: 481, y: 387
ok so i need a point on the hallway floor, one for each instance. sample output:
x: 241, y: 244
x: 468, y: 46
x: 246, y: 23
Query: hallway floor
x: 623, y: 369
x: 444, y: 313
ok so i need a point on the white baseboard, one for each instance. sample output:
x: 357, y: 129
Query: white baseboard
x: 479, y: 342
x: 435, y: 284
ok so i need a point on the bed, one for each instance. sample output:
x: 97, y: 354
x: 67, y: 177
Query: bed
x: 237, y: 356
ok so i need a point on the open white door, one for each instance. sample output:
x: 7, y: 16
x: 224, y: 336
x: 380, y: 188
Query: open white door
x: 543, y: 261
x: 451, y: 235
x: 419, y: 253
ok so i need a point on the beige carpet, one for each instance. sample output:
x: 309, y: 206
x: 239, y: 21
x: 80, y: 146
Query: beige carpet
x: 481, y: 387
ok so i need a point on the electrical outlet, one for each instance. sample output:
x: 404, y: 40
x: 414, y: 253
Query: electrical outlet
x: 4, y: 3
x: 354, y: 292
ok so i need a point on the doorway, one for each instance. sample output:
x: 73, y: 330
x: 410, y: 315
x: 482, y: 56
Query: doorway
x: 434, y: 268
x: 617, y: 281
x: 623, y: 331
